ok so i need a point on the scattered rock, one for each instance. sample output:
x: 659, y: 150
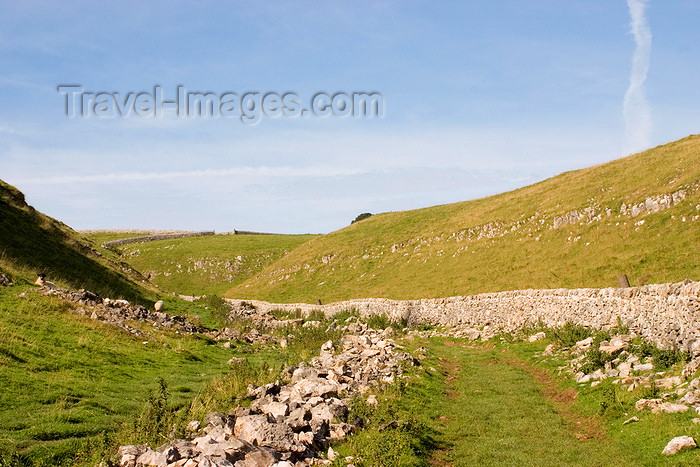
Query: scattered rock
x: 5, y: 280
x: 585, y: 343
x: 678, y: 444
x: 332, y: 455
x: 537, y: 337
x: 691, y: 368
x: 658, y: 405
x: 119, y: 312
x: 668, y: 383
x: 615, y: 345
x: 288, y: 424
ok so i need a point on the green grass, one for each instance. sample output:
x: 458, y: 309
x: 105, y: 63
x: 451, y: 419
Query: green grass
x: 66, y: 379
x: 72, y: 389
x: 209, y: 264
x: 498, y: 416
x: 640, y: 442
x: 480, y: 406
x: 428, y: 253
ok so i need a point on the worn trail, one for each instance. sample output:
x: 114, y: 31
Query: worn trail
x: 498, y: 410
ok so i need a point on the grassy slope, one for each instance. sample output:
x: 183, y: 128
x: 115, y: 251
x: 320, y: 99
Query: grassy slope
x: 429, y: 253
x: 65, y: 377
x: 71, y: 387
x: 32, y: 242
x: 481, y: 405
x: 207, y: 265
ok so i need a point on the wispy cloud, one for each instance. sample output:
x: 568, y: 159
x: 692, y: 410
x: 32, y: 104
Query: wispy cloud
x: 272, y: 172
x: 636, y: 109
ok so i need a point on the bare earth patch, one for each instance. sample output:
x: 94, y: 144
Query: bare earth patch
x: 562, y: 401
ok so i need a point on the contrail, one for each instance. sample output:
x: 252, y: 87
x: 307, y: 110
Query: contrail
x: 636, y: 109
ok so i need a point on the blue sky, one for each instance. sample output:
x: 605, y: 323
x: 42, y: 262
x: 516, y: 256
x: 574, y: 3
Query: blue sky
x: 479, y: 97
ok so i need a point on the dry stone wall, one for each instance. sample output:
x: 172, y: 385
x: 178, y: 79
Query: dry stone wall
x: 152, y: 238
x: 666, y: 314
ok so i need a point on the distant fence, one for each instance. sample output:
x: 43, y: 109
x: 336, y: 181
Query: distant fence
x: 248, y: 232
x: 151, y: 238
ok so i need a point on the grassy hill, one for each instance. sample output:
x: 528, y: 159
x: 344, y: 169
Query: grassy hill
x: 639, y: 215
x: 67, y: 379
x: 31, y: 242
x: 203, y: 265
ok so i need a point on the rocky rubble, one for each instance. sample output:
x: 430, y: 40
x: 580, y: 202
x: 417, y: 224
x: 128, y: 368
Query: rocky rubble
x: 253, y: 336
x: 120, y: 312
x: 5, y: 281
x: 291, y: 423
x: 631, y: 372
x: 675, y: 393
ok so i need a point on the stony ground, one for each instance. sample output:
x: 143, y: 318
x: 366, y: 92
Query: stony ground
x: 495, y: 407
x: 288, y: 424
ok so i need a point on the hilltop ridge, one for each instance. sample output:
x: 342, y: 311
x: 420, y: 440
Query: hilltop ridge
x: 638, y: 215
x: 33, y: 242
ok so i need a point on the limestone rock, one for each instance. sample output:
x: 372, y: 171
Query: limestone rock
x: 129, y: 454
x: 678, y: 444
x: 615, y: 345
x: 585, y: 343
x: 658, y: 405
x: 257, y: 430
x: 643, y: 367
x: 691, y: 368
x: 152, y: 458
x: 537, y: 337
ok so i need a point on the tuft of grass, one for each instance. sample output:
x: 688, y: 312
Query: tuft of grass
x: 595, y: 359
x: 216, y: 312
x: 396, y: 432
x: 569, y: 333
x: 662, y: 358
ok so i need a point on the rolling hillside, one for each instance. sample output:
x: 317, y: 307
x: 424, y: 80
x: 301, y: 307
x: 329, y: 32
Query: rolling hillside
x: 639, y: 215
x: 31, y: 242
x: 203, y: 265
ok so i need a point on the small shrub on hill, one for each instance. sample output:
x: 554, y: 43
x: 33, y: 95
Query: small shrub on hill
x: 610, y: 404
x: 595, y: 360
x: 662, y: 359
x: 155, y: 420
x: 362, y: 216
x: 217, y: 307
x: 569, y: 333
x: 379, y: 321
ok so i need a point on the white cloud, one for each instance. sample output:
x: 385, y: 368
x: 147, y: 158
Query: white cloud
x: 274, y: 172
x: 636, y: 109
